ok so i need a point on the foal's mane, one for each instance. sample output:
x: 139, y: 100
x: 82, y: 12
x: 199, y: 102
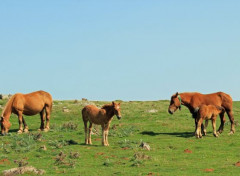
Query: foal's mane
x: 107, y: 106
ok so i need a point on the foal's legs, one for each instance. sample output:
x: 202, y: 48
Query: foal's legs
x: 103, y: 134
x: 214, y: 126
x: 106, y: 134
x: 205, y: 128
x: 231, y: 118
x: 198, y: 131
x: 85, y: 130
x: 89, y: 133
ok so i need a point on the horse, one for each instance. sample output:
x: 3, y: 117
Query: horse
x: 193, y: 100
x: 27, y: 104
x: 101, y: 117
x: 207, y: 112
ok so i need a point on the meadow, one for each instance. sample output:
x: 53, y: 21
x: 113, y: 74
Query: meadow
x: 174, y: 149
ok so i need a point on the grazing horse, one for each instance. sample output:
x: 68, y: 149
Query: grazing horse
x: 193, y: 100
x: 207, y: 112
x: 27, y: 104
x: 101, y: 117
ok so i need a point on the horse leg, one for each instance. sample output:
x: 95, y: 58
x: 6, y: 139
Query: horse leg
x: 205, y: 128
x: 85, y: 130
x: 198, y: 133
x: 103, y: 135
x: 25, y: 126
x: 48, y: 111
x: 106, y: 134
x: 231, y: 118
x: 214, y: 126
x: 222, y: 118
x: 20, y: 120
x: 42, y: 116
x: 89, y: 134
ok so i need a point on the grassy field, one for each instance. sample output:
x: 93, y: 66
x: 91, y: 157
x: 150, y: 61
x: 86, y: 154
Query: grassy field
x: 174, y: 149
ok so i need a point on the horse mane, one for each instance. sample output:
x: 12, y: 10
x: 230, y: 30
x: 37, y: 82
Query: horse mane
x: 107, y: 106
x: 9, y: 103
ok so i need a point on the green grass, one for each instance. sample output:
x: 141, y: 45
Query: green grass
x: 168, y: 136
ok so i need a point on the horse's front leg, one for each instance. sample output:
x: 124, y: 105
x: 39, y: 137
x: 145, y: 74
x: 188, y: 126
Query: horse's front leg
x: 106, y: 133
x: 25, y: 125
x: 214, y: 126
x: 42, y: 117
x: 20, y: 121
x: 103, y: 134
x: 89, y: 134
x: 222, y: 118
x: 198, y: 133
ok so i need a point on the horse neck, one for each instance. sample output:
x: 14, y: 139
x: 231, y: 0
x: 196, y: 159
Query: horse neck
x: 109, y: 113
x: 7, y: 111
x: 186, y: 98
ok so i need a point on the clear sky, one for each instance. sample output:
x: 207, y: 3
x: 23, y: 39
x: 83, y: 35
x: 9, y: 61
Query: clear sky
x: 120, y: 49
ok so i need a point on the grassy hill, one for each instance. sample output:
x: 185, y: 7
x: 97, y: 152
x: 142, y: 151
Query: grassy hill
x: 174, y: 149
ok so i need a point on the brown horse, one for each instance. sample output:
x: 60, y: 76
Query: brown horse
x: 27, y: 104
x: 193, y: 100
x: 101, y: 117
x: 207, y: 112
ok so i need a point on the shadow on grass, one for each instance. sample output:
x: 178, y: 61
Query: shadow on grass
x: 177, y: 134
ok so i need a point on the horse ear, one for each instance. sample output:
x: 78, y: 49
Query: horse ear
x: 176, y: 93
x: 113, y: 103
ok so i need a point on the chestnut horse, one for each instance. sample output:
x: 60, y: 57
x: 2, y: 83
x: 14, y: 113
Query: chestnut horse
x: 27, y: 104
x: 193, y: 100
x: 101, y: 117
x: 207, y: 112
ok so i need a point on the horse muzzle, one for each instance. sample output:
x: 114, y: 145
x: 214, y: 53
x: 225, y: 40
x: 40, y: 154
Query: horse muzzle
x: 170, y: 111
x: 119, y: 117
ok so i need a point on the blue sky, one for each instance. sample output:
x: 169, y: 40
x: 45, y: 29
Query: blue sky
x: 121, y: 49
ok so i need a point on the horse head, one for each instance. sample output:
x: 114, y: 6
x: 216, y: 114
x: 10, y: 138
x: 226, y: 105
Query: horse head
x: 117, y: 110
x: 5, y: 125
x: 175, y: 103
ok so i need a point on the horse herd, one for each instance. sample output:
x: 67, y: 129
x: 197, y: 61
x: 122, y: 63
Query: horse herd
x: 202, y: 107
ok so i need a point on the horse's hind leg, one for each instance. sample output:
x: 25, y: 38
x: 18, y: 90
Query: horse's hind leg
x: 222, y: 118
x: 42, y: 116
x: 231, y: 118
x: 205, y: 128
x: 48, y: 111
x: 25, y: 125
x: 89, y: 133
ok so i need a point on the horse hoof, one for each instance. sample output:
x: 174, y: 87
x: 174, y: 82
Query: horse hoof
x: 45, y: 129
x: 19, y: 131
x: 231, y: 132
x: 25, y: 131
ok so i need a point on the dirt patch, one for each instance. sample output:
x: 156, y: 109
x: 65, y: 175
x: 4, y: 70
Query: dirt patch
x: 22, y: 170
x: 187, y: 151
x: 237, y: 164
x: 125, y: 158
x: 208, y: 170
x: 97, y: 139
x: 100, y: 153
x: 4, y: 161
x: 125, y: 148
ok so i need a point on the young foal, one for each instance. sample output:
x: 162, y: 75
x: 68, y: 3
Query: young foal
x: 207, y: 112
x: 101, y: 117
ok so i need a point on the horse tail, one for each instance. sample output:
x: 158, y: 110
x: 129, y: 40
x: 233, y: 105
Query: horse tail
x: 8, y: 105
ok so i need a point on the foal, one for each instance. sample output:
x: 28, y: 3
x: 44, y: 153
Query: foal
x: 101, y: 117
x: 207, y: 112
